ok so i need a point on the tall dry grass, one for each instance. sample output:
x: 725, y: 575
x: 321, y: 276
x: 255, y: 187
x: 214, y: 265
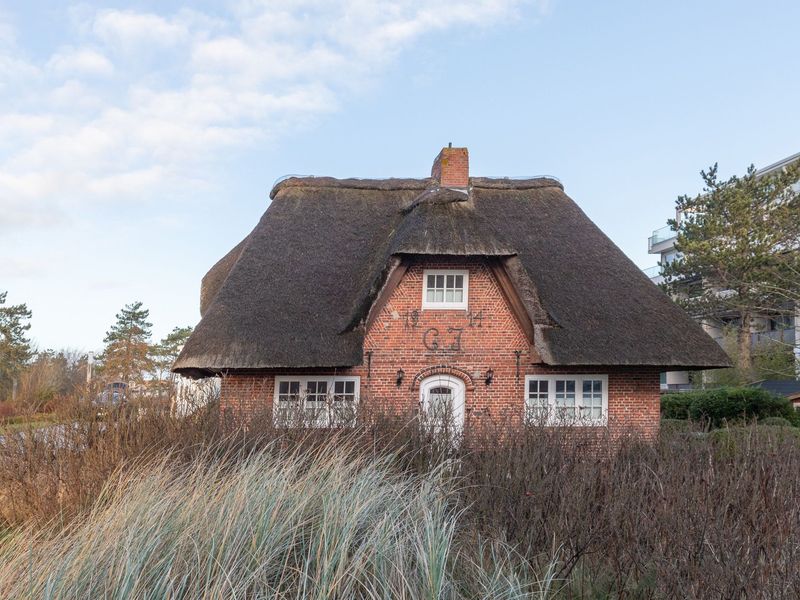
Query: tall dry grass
x: 324, y: 523
x: 692, y: 515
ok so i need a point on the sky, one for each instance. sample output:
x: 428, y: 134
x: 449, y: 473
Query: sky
x: 139, y: 140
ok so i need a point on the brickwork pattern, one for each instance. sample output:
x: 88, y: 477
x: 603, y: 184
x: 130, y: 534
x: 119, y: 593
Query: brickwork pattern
x: 464, y: 344
x: 451, y: 168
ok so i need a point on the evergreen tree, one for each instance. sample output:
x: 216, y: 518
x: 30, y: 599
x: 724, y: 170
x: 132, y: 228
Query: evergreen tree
x: 15, y: 348
x: 740, y: 246
x: 166, y: 351
x: 126, y: 356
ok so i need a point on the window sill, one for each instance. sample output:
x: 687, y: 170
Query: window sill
x: 444, y: 306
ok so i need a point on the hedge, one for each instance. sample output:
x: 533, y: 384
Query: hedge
x: 721, y: 406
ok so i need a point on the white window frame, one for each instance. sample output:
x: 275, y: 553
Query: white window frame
x: 323, y: 420
x: 429, y: 305
x: 552, y: 416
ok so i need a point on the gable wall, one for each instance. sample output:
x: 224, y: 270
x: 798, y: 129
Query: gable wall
x: 464, y: 344
x: 486, y: 337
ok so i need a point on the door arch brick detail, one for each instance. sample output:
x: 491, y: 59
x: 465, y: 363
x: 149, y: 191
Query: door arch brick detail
x: 443, y: 370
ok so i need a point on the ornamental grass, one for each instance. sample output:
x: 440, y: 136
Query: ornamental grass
x: 149, y: 505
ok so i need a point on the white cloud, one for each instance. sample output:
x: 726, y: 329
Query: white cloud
x: 184, y: 89
x: 80, y: 61
x: 7, y: 35
x: 129, y: 29
x: 14, y: 126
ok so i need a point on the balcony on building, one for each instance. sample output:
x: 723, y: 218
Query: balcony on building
x: 662, y: 240
x: 654, y: 273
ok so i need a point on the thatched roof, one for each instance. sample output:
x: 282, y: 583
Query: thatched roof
x: 297, y: 290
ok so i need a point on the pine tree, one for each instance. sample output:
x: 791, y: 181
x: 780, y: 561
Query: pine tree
x: 166, y: 351
x: 126, y: 356
x: 740, y: 246
x: 15, y: 348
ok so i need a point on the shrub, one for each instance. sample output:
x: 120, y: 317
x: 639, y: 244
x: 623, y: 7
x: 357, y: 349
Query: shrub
x: 57, y: 472
x: 719, y: 406
x: 672, y: 426
x: 642, y: 515
x: 676, y: 406
x: 687, y: 516
x: 7, y: 410
x: 775, y: 422
x: 729, y: 442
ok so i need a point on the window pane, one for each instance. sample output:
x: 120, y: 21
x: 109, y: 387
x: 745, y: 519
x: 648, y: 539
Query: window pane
x: 450, y: 281
x: 458, y: 296
x: 448, y: 295
x: 592, y: 399
x: 565, y: 397
x: 283, y: 387
x: 439, y: 296
x: 538, y: 403
x: 460, y: 281
x: 316, y: 391
x: 431, y: 281
x: 440, y: 281
x: 430, y: 295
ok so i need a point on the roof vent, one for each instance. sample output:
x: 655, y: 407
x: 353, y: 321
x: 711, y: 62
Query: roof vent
x: 451, y: 168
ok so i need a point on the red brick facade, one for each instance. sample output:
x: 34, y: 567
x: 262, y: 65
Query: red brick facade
x: 451, y: 168
x: 464, y: 344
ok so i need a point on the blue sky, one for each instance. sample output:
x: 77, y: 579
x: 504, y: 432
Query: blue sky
x: 139, y: 140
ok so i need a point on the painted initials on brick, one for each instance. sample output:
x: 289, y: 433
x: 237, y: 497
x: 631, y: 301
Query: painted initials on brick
x: 430, y: 339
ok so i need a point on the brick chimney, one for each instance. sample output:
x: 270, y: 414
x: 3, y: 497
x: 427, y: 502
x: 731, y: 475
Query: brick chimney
x: 451, y: 168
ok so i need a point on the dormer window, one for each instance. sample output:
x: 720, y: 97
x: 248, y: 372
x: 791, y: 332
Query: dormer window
x: 445, y: 289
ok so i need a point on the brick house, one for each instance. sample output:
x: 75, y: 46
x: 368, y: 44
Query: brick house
x: 491, y: 298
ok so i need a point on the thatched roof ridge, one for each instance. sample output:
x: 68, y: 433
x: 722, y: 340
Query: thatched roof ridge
x: 397, y: 183
x: 297, y: 291
x: 352, y: 183
x: 516, y: 183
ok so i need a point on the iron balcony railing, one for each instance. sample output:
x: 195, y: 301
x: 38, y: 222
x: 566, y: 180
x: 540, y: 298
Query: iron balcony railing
x: 660, y: 235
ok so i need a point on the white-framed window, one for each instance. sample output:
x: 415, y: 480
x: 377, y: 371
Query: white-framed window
x: 315, y: 401
x: 445, y: 288
x: 566, y: 399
